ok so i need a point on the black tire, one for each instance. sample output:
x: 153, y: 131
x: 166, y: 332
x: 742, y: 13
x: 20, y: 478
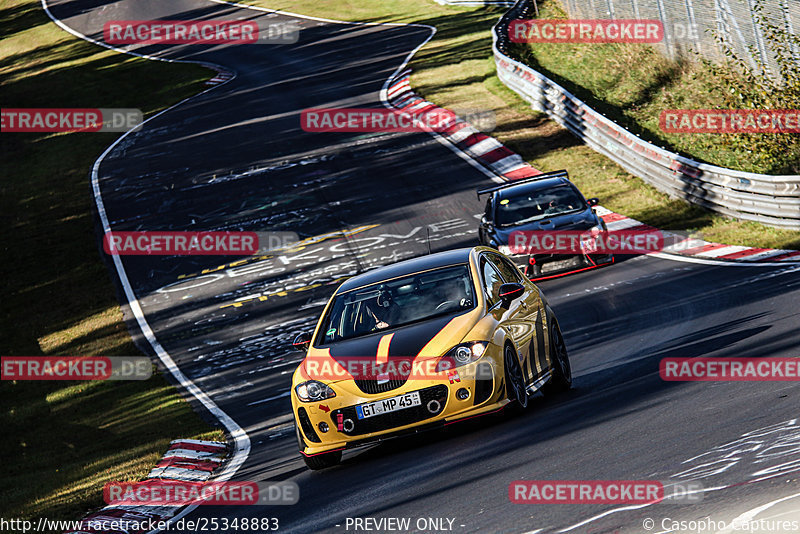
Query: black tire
x: 562, y: 370
x: 323, y: 461
x: 319, y: 461
x: 515, y: 381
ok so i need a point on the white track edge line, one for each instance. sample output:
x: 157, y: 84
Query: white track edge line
x: 241, y: 439
x: 747, y: 516
x: 398, y: 70
x: 723, y: 263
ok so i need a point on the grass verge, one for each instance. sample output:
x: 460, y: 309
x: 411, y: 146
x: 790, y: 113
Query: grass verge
x: 455, y: 70
x: 64, y: 440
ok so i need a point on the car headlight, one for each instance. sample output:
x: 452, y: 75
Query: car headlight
x: 461, y: 355
x: 313, y: 391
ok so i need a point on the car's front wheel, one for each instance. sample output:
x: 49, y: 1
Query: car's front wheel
x: 324, y: 460
x: 318, y: 461
x: 515, y: 382
x: 562, y: 370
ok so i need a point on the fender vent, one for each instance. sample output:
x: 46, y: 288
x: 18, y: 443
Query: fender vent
x: 484, y: 386
x: 305, y: 424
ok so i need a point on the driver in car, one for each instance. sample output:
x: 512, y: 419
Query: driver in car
x: 384, y: 310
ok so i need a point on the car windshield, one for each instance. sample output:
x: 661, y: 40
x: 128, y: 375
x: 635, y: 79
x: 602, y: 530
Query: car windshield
x: 537, y: 205
x: 398, y: 302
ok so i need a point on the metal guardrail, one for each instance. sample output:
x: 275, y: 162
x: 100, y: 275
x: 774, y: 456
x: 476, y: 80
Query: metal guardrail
x: 772, y: 200
x: 504, y: 3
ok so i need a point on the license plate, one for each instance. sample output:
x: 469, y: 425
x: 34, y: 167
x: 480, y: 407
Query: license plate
x: 401, y: 402
x: 560, y: 264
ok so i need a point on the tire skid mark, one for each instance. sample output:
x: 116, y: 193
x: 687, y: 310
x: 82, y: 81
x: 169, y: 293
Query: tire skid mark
x: 766, y: 445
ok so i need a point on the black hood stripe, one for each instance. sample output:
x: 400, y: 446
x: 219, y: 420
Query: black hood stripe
x: 407, y: 342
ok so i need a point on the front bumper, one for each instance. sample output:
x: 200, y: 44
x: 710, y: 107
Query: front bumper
x: 544, y: 266
x: 483, y: 380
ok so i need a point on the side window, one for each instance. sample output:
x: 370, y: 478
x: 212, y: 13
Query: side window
x: 507, y: 270
x: 491, y: 281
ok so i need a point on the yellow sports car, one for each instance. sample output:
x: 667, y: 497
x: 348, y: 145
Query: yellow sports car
x: 419, y: 344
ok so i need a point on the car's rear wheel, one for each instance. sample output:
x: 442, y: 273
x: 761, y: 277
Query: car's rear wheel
x: 562, y: 370
x: 515, y: 382
x: 324, y: 460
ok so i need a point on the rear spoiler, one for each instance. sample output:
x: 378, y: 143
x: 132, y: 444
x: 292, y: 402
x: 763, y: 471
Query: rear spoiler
x: 554, y: 174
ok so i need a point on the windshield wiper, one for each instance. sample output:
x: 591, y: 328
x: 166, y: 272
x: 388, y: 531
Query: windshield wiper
x: 523, y: 221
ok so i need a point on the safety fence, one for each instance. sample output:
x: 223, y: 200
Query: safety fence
x: 694, y: 24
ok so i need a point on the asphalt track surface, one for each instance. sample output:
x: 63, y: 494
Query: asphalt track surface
x: 235, y: 157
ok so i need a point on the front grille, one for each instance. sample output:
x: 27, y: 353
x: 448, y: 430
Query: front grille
x: 393, y: 419
x: 371, y: 386
x: 308, y: 428
x: 484, y: 384
x: 369, y: 382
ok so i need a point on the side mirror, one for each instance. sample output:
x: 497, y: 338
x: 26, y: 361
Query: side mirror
x: 510, y: 292
x: 302, y: 341
x: 594, y: 201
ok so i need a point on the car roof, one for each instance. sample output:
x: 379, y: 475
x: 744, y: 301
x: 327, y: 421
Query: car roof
x: 531, y: 187
x: 406, y: 267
